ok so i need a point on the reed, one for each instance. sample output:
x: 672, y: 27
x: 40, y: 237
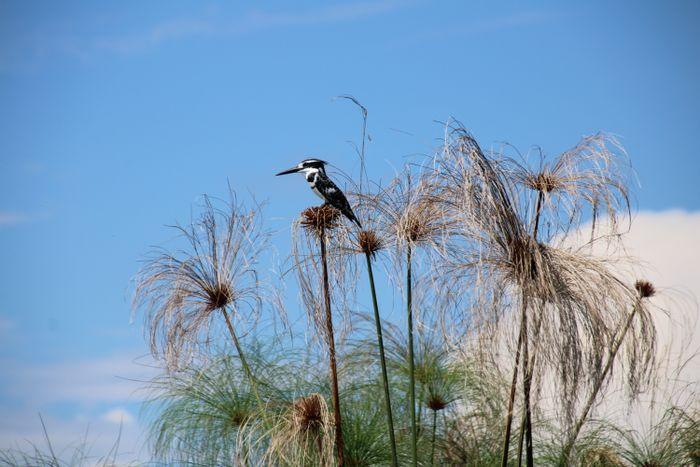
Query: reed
x: 318, y: 221
x: 412, y: 220
x: 578, y: 295
x: 216, y: 272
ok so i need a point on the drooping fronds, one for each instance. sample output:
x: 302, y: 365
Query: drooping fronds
x: 577, y: 296
x: 181, y: 291
x: 409, y: 213
x: 579, y: 185
x: 308, y: 268
x: 200, y: 412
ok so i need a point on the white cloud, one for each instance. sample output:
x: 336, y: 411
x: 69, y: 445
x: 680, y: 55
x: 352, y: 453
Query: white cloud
x: 118, y: 416
x: 665, y: 244
x: 663, y: 248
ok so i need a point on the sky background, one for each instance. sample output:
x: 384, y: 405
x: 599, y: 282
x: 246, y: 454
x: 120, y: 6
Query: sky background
x: 117, y: 116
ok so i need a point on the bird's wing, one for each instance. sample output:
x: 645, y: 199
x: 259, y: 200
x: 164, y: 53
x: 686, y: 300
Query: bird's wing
x: 335, y: 197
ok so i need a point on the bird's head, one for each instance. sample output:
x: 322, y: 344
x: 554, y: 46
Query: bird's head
x: 306, y: 166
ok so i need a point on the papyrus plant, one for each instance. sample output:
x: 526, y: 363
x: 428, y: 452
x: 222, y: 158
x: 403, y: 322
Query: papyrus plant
x: 213, y: 275
x: 319, y: 225
x: 576, y: 296
x: 413, y: 221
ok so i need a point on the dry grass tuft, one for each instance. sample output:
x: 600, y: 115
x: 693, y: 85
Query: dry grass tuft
x: 409, y: 212
x: 589, y: 179
x: 543, y: 181
x: 369, y: 242
x: 304, y: 434
x: 320, y: 219
x: 645, y: 289
x: 309, y: 414
x: 601, y: 457
x: 180, y: 291
x: 436, y: 402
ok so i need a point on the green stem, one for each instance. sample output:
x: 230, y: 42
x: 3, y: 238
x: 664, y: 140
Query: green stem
x: 382, y: 359
x: 339, y: 445
x: 241, y: 356
x: 432, y: 444
x: 411, y: 369
x: 419, y: 408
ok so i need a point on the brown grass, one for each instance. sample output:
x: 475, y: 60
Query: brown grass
x: 303, y: 435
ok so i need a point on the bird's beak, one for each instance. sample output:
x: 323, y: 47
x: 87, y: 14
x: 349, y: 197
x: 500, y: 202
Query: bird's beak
x: 288, y: 171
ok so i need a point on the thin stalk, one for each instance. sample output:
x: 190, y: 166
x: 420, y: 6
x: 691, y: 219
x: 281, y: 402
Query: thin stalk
x: 411, y: 369
x: 241, y: 356
x: 599, y: 383
x: 530, y: 372
x: 432, y: 444
x: 538, y: 211
x: 419, y: 408
x: 339, y: 445
x: 382, y: 359
x: 528, y: 367
x: 526, y: 389
x: 511, y: 400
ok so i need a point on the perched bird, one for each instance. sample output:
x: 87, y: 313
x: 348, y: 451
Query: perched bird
x: 315, y: 173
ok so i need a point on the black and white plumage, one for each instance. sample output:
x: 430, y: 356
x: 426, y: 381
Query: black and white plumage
x: 314, y: 170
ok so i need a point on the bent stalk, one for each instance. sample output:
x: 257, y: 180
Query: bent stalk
x: 382, y: 359
x: 599, y: 383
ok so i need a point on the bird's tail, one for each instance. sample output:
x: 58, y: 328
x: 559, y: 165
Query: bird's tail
x: 351, y: 215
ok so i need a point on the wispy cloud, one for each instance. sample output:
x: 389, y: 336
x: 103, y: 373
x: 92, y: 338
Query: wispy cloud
x: 13, y: 218
x: 73, y: 396
x: 96, y: 437
x: 5, y: 325
x: 36, y: 45
x: 525, y: 18
x: 250, y: 22
x: 478, y: 25
x: 101, y: 380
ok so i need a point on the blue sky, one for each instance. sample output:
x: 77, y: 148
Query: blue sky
x: 117, y: 116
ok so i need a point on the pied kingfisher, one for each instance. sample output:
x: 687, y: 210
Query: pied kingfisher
x: 315, y: 173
